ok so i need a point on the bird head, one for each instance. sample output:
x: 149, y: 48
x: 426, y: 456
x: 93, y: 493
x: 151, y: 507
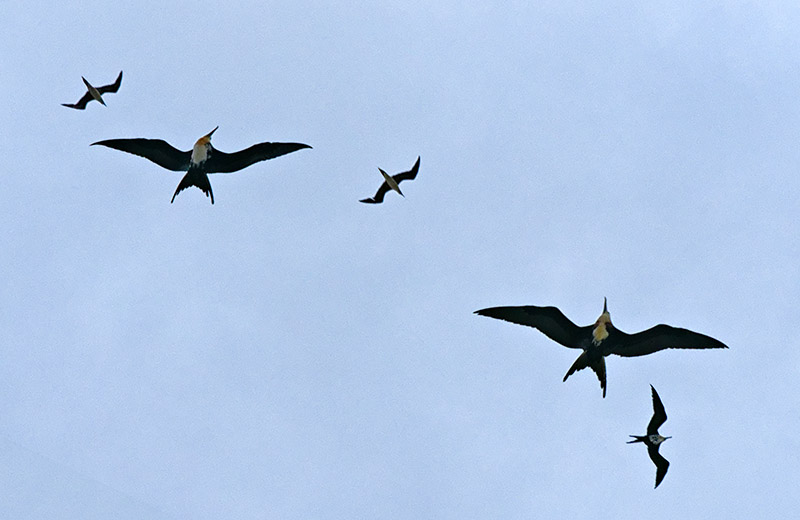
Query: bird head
x: 206, y: 139
x: 201, y: 148
x: 600, y: 330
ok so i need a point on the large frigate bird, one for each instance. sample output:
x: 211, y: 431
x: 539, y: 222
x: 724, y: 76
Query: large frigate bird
x: 95, y: 93
x: 390, y: 182
x: 653, y: 440
x: 600, y: 339
x: 202, y: 159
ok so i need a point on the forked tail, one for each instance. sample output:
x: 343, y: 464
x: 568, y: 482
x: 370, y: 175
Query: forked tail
x: 195, y: 178
x: 598, y: 366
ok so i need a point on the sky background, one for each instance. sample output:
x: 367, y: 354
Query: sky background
x: 290, y: 353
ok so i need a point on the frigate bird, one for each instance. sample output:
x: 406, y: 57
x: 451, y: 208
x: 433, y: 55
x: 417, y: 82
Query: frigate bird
x: 600, y: 339
x: 202, y: 159
x: 653, y: 440
x: 95, y: 93
x: 391, y: 183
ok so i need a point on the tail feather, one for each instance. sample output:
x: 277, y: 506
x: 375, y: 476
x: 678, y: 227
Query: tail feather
x: 194, y: 178
x: 637, y: 438
x: 598, y: 366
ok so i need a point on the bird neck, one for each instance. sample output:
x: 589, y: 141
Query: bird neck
x: 657, y: 439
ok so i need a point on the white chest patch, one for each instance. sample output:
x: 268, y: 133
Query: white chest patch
x: 599, y: 333
x: 199, y: 153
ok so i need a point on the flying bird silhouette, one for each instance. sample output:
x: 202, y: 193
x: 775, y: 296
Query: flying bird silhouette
x: 391, y: 183
x: 202, y: 159
x: 600, y: 339
x: 653, y: 440
x: 95, y: 93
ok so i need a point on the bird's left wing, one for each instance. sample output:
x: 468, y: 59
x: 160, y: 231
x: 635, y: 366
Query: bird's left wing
x: 662, y: 464
x: 659, y: 414
x: 160, y: 152
x: 548, y: 320
x: 221, y: 162
x: 661, y: 337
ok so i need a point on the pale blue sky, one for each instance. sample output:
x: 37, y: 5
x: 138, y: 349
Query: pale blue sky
x: 291, y: 353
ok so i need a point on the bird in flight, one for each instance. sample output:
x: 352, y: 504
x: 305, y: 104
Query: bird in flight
x: 95, y: 93
x: 600, y: 339
x: 202, y: 159
x: 391, y: 183
x: 653, y: 440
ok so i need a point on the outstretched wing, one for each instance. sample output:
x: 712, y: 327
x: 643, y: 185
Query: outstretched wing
x: 409, y: 175
x: 661, y: 337
x: 661, y: 463
x: 81, y: 104
x: 659, y: 414
x: 113, y: 87
x: 378, y: 197
x: 221, y: 162
x: 548, y: 320
x: 156, y: 150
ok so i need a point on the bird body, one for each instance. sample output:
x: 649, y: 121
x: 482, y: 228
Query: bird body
x: 391, y: 182
x: 653, y: 440
x: 601, y: 338
x: 95, y: 93
x: 202, y: 159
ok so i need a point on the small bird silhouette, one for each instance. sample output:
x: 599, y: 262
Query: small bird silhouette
x: 95, y: 93
x: 391, y: 183
x: 653, y: 440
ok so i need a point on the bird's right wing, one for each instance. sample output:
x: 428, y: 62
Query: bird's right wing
x: 113, y: 87
x: 81, y: 104
x: 221, y: 162
x: 659, y: 414
x: 378, y: 197
x: 409, y: 175
x: 156, y: 150
x: 661, y: 463
x: 548, y: 320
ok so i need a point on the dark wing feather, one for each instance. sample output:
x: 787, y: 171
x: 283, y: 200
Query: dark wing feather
x: 409, y: 175
x: 156, y: 150
x: 548, y: 320
x: 113, y: 87
x: 221, y: 162
x: 378, y: 197
x: 661, y: 337
x: 81, y: 104
x: 659, y: 414
x: 661, y: 463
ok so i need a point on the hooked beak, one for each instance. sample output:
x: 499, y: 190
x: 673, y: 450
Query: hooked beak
x: 211, y: 132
